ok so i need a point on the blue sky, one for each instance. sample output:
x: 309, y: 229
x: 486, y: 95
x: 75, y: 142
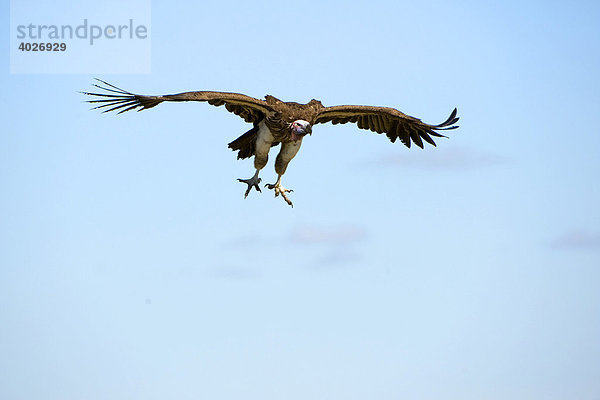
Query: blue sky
x: 132, y: 267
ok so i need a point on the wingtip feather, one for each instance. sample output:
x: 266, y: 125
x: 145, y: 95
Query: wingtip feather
x: 115, y: 98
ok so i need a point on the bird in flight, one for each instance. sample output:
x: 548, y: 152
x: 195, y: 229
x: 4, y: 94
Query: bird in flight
x: 277, y: 122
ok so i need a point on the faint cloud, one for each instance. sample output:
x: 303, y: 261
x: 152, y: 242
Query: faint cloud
x: 340, y: 257
x: 454, y: 159
x: 334, y: 234
x: 578, y: 240
x: 322, y: 246
x: 335, y: 244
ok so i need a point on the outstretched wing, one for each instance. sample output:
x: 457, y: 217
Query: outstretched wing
x: 113, y: 98
x: 389, y: 121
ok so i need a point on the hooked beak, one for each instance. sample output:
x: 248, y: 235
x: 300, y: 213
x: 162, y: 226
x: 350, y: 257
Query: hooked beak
x: 300, y: 129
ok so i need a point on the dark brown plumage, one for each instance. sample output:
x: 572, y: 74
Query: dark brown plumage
x: 395, y: 124
x: 285, y: 122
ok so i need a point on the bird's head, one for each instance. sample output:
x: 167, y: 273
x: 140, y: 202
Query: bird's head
x: 299, y: 129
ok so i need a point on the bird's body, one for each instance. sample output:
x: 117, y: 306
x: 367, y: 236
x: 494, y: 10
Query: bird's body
x: 286, y: 123
x: 264, y: 141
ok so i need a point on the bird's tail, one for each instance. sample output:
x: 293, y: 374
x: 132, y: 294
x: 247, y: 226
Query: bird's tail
x: 246, y: 144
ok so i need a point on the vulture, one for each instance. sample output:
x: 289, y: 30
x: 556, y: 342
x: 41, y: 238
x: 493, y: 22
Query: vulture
x: 277, y: 122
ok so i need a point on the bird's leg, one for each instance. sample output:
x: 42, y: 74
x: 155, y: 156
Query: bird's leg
x: 252, y: 183
x: 280, y: 190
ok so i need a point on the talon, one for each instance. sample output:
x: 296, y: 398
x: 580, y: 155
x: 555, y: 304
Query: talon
x: 252, y: 183
x: 280, y: 190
